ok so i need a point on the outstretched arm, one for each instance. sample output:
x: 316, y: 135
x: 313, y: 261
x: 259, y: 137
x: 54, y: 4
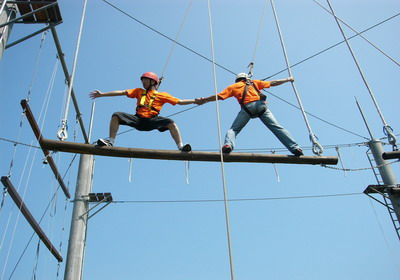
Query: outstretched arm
x: 186, y: 102
x: 96, y: 93
x: 279, y: 82
x: 201, y: 101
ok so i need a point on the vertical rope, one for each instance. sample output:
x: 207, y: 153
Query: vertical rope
x: 220, y: 146
x: 316, y: 147
x: 174, y: 44
x: 251, y: 65
x: 386, y: 127
x: 62, y: 132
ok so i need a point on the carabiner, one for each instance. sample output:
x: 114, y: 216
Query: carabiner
x: 316, y: 147
x: 62, y: 133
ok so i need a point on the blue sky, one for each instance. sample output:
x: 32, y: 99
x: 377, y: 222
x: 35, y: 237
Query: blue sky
x: 286, y: 221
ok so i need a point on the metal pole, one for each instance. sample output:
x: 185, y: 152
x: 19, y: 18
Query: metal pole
x: 8, y: 13
x: 77, y: 237
x: 386, y: 173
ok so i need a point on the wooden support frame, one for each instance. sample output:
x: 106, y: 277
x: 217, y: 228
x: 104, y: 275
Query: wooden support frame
x: 79, y: 148
x: 38, y: 134
x: 28, y: 216
x: 391, y: 155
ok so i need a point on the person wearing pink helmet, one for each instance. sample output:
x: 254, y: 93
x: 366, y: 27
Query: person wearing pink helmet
x: 148, y: 107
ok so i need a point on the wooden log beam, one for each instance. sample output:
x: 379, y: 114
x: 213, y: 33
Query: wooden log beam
x: 391, y: 155
x: 79, y: 148
x: 49, y: 158
x: 28, y: 216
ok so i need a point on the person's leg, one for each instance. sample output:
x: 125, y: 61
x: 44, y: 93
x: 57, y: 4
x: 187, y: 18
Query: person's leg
x: 176, y: 135
x: 280, y: 132
x: 114, y: 125
x: 240, y: 121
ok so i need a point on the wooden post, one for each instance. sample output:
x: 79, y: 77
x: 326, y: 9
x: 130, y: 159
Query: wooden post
x: 28, y: 216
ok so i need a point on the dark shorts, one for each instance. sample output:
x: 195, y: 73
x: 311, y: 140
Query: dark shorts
x: 144, y: 124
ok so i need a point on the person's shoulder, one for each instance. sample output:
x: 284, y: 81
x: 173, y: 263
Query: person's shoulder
x: 134, y: 92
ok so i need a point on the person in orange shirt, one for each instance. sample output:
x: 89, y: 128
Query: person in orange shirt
x: 253, y: 105
x: 149, y: 104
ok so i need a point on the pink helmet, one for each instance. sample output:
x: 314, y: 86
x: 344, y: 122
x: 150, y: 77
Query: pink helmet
x: 150, y: 75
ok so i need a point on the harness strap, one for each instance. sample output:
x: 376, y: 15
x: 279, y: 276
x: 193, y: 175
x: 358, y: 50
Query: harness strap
x: 262, y: 97
x: 248, y: 83
x: 149, y: 106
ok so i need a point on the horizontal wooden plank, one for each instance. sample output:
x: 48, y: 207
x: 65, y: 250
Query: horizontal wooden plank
x: 79, y: 148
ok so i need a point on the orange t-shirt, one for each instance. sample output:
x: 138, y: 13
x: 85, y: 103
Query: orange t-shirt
x: 159, y: 101
x: 237, y: 90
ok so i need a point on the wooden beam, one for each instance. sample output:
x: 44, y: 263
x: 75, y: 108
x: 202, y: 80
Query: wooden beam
x: 28, y: 216
x: 79, y: 148
x: 391, y: 155
x: 38, y: 134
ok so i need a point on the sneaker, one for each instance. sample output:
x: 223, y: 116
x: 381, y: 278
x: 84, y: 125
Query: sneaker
x: 298, y: 152
x: 227, y: 149
x: 104, y: 142
x: 186, y: 148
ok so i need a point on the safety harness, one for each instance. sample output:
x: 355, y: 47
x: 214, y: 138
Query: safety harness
x: 149, y: 106
x: 262, y: 97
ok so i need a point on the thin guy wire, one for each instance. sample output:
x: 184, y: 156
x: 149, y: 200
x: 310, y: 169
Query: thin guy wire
x: 42, y: 40
x: 41, y: 218
x: 333, y: 46
x: 165, y: 36
x: 202, y: 56
x: 220, y: 146
x: 359, y: 34
x: 176, y: 38
x: 236, y: 199
x: 360, y: 71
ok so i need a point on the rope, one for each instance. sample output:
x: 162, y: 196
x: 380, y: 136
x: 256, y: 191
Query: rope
x: 41, y: 218
x: 359, y: 34
x: 36, y: 261
x: 19, y: 212
x: 22, y: 115
x: 333, y: 46
x: 174, y: 43
x: 62, y: 132
x: 386, y: 127
x: 314, y: 116
x: 237, y: 199
x: 165, y: 36
x: 251, y: 65
x: 317, y: 148
x: 340, y: 159
x: 41, y: 120
x: 220, y: 146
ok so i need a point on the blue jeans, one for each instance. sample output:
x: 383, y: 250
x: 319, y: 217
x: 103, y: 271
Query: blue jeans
x: 268, y: 119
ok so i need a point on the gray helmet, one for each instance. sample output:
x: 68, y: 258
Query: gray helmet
x: 241, y: 76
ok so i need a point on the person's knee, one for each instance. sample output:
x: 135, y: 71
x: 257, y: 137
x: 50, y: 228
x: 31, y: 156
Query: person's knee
x: 172, y: 126
x: 115, y: 118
